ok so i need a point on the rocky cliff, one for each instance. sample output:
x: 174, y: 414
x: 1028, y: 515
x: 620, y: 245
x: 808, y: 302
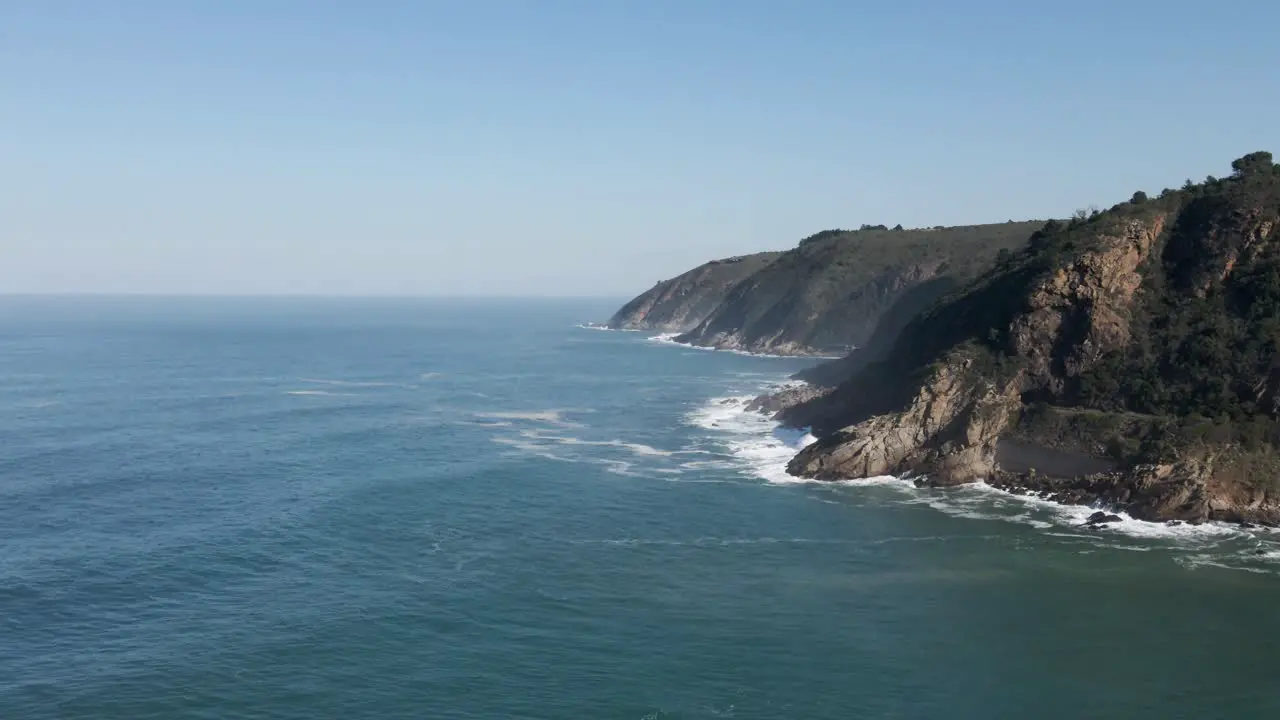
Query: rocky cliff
x: 681, y: 303
x: 824, y: 296
x: 828, y: 294
x: 1146, y: 336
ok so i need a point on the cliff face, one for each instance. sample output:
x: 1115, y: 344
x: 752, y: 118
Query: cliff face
x: 948, y: 428
x: 1080, y: 310
x: 1155, y: 327
x: 678, y: 304
x: 827, y: 294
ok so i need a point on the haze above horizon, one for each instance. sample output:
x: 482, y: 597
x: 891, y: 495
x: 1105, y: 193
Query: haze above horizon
x: 579, y: 148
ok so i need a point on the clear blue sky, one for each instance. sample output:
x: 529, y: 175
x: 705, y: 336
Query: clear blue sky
x: 581, y: 148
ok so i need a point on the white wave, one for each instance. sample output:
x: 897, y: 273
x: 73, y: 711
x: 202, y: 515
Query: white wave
x: 349, y: 383
x: 37, y: 404
x: 980, y: 501
x: 542, y: 444
x: 1193, y: 562
x: 551, y: 417
x: 889, y: 481
x: 721, y: 542
x: 670, y: 339
x: 1077, y: 515
x: 759, y: 447
x: 757, y: 441
x: 764, y: 445
x: 531, y: 448
x: 709, y: 465
x: 634, y: 447
x: 314, y: 392
x: 637, y: 448
x: 621, y: 467
x: 708, y: 541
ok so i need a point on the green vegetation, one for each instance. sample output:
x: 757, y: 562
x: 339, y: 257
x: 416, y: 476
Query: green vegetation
x: 1206, y: 327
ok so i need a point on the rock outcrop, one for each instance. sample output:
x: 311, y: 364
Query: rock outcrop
x: 948, y: 431
x: 1080, y: 311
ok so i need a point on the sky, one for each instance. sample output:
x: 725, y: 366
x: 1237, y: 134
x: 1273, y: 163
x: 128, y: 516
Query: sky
x: 581, y: 147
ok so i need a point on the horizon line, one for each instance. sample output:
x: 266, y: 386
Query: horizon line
x: 300, y: 295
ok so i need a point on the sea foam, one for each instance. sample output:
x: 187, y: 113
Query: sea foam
x: 670, y: 339
x: 760, y: 447
x: 760, y: 443
x: 606, y: 328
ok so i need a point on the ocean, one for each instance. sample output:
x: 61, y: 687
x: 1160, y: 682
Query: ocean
x: 321, y: 508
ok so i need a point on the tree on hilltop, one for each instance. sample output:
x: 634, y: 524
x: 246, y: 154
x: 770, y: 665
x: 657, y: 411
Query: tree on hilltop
x: 1255, y: 163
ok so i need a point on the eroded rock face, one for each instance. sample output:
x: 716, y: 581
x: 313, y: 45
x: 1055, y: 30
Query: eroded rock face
x: 800, y: 322
x: 1211, y: 242
x: 948, y: 431
x: 1080, y: 311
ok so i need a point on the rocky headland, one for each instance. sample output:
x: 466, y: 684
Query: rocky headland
x: 826, y: 295
x: 1126, y: 358
x: 682, y: 302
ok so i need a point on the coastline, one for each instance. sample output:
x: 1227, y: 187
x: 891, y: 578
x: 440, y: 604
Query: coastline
x: 670, y: 339
x: 762, y: 447
x: 956, y: 499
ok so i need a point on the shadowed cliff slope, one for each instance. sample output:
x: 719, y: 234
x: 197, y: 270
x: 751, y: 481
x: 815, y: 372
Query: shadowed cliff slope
x: 678, y: 304
x: 824, y: 296
x: 828, y: 294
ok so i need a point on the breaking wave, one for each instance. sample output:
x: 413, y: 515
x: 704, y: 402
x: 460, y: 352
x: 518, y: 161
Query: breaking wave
x: 670, y: 339
x: 759, y: 447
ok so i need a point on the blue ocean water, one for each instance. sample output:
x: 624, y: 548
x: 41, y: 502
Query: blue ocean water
x: 288, y: 508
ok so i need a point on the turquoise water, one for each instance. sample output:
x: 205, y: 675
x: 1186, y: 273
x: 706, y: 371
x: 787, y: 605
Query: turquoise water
x: 426, y: 509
